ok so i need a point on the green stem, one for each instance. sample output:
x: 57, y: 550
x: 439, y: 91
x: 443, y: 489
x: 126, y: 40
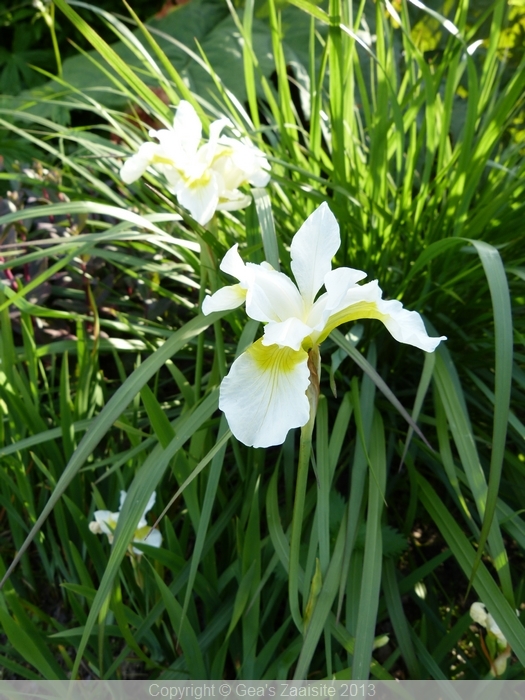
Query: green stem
x: 56, y: 48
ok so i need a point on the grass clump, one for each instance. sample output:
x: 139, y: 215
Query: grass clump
x: 109, y: 372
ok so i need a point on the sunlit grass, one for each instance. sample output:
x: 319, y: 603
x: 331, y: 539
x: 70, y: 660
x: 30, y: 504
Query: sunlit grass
x: 109, y: 374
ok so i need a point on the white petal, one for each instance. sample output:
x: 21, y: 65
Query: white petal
x: 261, y: 176
x: 147, y: 509
x: 135, y: 166
x: 246, y: 160
x: 340, y: 280
x: 123, y: 495
x: 148, y: 536
x: 172, y: 145
x: 225, y: 298
x: 233, y: 200
x: 289, y: 333
x: 216, y: 128
x: 493, y: 627
x: 188, y: 124
x: 200, y: 200
x: 338, y: 283
x: 107, y: 522
x: 478, y: 612
x: 364, y: 301
x: 272, y: 296
x: 154, y: 538
x: 232, y: 176
x: 175, y: 180
x: 264, y: 394
x: 407, y: 326
x: 232, y: 264
x: 312, y: 250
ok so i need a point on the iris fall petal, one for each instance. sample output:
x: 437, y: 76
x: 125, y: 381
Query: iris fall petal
x: 264, y: 394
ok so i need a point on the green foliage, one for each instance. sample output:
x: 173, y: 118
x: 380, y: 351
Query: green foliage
x: 404, y: 505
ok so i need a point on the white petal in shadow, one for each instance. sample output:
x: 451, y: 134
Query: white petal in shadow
x: 264, y: 394
x: 105, y: 522
x: 148, y: 536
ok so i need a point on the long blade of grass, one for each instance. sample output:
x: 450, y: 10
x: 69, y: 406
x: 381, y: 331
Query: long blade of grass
x: 103, y: 422
x: 483, y: 583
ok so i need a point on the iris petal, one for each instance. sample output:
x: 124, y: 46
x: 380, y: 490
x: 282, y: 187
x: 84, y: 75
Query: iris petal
x: 225, y: 298
x: 290, y: 333
x: 137, y: 165
x: 312, y: 250
x: 365, y: 302
x: 188, y: 125
x: 272, y: 296
x: 264, y: 394
x: 200, y: 199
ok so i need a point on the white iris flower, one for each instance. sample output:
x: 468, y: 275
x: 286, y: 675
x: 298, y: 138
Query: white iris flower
x: 204, y: 177
x: 106, y: 522
x: 479, y: 613
x: 264, y: 394
x: 498, y: 648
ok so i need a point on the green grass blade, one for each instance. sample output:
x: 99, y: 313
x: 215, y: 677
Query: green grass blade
x: 371, y: 580
x: 110, y: 413
x: 483, y: 583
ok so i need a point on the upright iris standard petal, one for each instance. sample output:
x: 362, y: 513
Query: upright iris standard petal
x: 187, y: 127
x: 264, y: 394
x: 312, y: 250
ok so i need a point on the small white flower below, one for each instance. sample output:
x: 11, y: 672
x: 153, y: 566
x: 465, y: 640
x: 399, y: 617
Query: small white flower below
x: 106, y: 522
x: 496, y: 647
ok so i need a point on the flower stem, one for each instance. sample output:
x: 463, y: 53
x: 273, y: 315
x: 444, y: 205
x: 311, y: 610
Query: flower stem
x: 305, y: 449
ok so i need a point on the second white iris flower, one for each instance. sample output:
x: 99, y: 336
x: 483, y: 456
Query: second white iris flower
x: 205, y: 177
x: 264, y: 394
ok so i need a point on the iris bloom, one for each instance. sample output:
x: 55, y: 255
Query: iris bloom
x: 204, y: 177
x: 497, y: 644
x: 106, y: 522
x: 264, y: 394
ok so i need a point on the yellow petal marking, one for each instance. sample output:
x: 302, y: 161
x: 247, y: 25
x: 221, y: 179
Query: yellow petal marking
x: 272, y: 358
x: 354, y: 312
